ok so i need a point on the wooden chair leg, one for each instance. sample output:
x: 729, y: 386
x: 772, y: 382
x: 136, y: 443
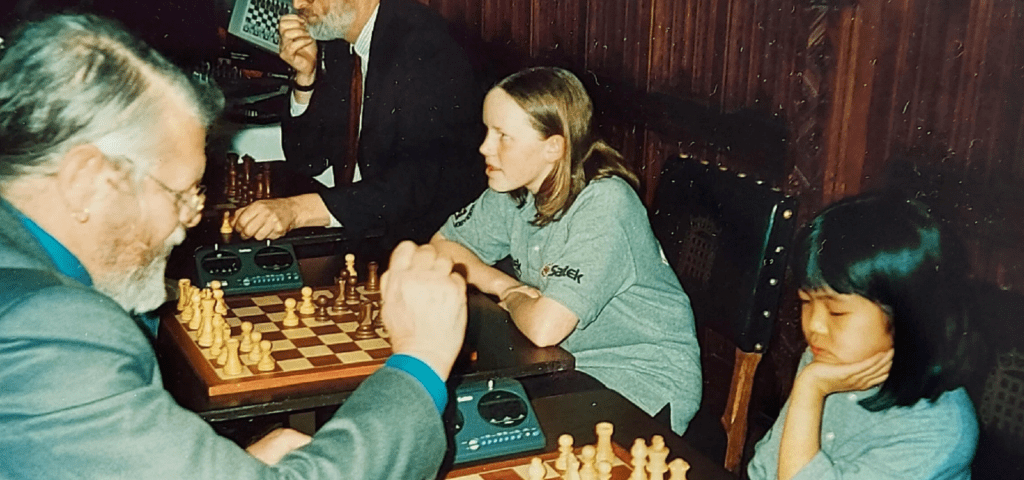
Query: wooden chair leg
x: 734, y: 420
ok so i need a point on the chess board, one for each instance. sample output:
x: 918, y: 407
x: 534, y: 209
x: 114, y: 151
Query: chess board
x: 516, y: 469
x: 313, y: 356
x: 256, y: 22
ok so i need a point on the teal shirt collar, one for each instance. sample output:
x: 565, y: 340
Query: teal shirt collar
x: 66, y: 261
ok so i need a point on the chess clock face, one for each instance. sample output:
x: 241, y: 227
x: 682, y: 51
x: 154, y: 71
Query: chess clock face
x: 219, y: 262
x: 502, y: 408
x: 273, y: 259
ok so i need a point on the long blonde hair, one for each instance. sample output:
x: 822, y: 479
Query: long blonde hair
x: 558, y: 104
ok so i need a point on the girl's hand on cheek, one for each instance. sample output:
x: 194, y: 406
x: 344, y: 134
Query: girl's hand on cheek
x: 827, y: 378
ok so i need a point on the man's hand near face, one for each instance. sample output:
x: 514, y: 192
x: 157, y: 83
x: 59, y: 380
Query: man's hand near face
x: 299, y: 50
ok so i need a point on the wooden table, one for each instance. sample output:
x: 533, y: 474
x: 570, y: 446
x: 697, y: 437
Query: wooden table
x: 577, y: 413
x: 500, y: 349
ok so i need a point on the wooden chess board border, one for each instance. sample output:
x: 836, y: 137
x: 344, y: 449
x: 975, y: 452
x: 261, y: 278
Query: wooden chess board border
x: 219, y: 392
x: 523, y: 462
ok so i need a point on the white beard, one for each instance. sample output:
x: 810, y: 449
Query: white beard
x: 140, y: 288
x: 333, y: 25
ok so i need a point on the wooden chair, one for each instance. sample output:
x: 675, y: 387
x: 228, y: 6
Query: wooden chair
x: 727, y: 237
x: 998, y: 388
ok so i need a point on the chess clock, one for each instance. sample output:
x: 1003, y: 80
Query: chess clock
x: 494, y: 418
x: 249, y: 267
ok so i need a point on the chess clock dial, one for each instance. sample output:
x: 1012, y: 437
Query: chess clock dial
x: 502, y: 408
x: 273, y: 258
x: 219, y: 262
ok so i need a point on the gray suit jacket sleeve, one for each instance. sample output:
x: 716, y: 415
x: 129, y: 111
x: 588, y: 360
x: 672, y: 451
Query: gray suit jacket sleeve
x: 82, y: 397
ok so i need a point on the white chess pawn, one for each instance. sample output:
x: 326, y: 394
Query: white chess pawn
x: 572, y: 471
x: 246, y: 345
x: 564, y: 452
x: 677, y: 469
x: 639, y: 452
x: 266, y: 361
x: 536, y: 470
x: 254, y: 354
x: 350, y: 265
x: 307, y: 307
x: 225, y: 224
x: 290, y: 318
x: 588, y: 469
x: 604, y: 470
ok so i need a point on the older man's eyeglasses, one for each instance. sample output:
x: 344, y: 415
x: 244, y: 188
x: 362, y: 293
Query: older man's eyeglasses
x: 190, y: 203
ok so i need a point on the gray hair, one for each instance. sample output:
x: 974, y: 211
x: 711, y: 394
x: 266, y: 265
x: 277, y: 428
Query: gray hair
x: 71, y: 80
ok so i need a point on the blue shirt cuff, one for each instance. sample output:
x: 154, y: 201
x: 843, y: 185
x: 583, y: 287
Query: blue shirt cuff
x: 426, y: 376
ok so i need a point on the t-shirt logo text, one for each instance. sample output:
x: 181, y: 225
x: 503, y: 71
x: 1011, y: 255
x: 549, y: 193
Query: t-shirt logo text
x: 462, y: 216
x: 561, y: 271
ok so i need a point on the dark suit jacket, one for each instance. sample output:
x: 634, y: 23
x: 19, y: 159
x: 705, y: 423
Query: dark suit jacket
x: 421, y: 127
x: 82, y: 397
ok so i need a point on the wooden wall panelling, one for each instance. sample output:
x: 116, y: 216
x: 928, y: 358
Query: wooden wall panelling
x: 850, y: 106
x: 906, y: 72
x: 557, y: 37
x: 972, y: 69
x: 1011, y: 127
x: 756, y: 56
x: 995, y: 112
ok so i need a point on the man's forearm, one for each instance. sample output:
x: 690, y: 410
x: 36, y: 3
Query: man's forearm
x: 484, y: 277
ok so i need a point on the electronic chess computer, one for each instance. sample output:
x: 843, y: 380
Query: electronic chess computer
x: 249, y: 267
x: 255, y: 21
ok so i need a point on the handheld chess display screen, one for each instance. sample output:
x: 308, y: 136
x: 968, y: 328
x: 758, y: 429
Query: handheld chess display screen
x: 255, y: 21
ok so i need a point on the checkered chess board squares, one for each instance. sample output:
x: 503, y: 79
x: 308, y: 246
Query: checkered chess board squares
x: 620, y: 469
x: 312, y: 344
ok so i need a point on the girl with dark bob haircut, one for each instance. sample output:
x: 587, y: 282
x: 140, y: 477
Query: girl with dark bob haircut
x: 878, y: 393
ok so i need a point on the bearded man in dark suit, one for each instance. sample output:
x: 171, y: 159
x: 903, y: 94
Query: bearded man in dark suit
x: 418, y: 129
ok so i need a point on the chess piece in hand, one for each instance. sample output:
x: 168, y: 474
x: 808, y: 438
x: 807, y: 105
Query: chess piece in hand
x: 424, y: 306
x: 276, y: 444
x: 273, y: 218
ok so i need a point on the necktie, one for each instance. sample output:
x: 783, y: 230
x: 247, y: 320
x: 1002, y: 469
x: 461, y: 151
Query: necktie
x: 355, y: 106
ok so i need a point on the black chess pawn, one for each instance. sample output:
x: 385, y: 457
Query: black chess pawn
x: 351, y: 294
x: 265, y: 185
x: 372, y: 279
x: 231, y: 184
x: 365, y: 329
x: 321, y: 308
x: 378, y: 321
